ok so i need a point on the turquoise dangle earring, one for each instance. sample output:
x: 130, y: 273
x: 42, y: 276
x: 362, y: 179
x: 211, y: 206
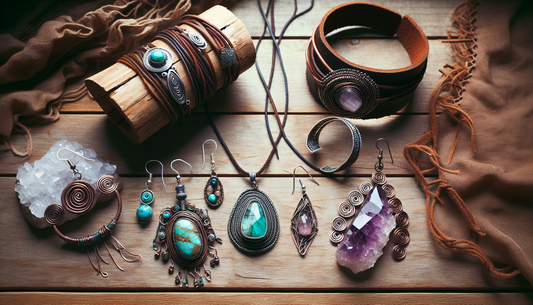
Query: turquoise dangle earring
x: 145, y: 212
x: 214, y: 191
x: 184, y: 236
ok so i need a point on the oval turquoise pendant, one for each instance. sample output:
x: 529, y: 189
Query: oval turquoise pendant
x: 187, y: 239
x: 144, y: 213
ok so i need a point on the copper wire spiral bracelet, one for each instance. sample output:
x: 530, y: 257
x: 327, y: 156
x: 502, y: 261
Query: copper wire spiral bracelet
x: 78, y: 194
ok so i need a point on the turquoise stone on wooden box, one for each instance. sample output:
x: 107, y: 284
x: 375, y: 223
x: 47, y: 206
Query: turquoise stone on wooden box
x: 254, y: 224
x: 187, y: 239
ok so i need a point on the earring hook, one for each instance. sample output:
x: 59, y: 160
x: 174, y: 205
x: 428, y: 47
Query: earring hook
x: 301, y: 183
x: 379, y: 165
x: 75, y: 172
x: 149, y: 173
x: 60, y: 159
x: 178, y: 177
x: 380, y: 156
x: 203, y: 153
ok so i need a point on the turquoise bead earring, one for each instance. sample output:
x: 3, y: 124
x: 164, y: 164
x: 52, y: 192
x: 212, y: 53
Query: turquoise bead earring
x: 145, y: 212
x: 213, y: 192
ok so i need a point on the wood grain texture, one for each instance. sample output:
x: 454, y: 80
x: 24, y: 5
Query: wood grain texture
x: 37, y: 260
x: 432, y: 16
x: 184, y: 140
x: 243, y: 97
x: 263, y: 298
x: 282, y: 268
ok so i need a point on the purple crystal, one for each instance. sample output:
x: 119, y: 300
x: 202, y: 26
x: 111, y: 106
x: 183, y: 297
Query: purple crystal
x: 369, y: 233
x: 305, y: 227
x: 350, y: 100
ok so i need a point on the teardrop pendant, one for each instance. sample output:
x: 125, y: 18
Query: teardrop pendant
x: 253, y: 225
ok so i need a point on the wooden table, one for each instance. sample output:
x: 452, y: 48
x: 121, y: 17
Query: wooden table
x: 36, y: 266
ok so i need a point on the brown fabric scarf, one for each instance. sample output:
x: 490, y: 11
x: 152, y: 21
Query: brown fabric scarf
x: 481, y: 202
x: 34, y: 74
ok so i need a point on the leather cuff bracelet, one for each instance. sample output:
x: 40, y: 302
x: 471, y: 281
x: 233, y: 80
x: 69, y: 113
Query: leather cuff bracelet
x: 354, y: 91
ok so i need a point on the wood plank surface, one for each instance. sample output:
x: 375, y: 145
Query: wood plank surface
x: 37, y: 260
x: 433, y: 16
x: 282, y: 268
x: 243, y: 97
x: 186, y: 138
x: 263, y: 298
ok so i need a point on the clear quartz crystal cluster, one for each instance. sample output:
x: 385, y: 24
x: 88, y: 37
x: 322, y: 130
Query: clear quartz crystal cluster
x: 369, y: 233
x: 39, y: 184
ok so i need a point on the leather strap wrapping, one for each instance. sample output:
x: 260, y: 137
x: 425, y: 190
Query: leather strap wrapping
x: 393, y: 84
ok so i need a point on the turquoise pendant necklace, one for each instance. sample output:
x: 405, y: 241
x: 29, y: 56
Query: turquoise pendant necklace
x: 253, y: 225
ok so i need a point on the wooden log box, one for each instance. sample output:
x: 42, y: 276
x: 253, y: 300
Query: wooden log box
x: 124, y: 98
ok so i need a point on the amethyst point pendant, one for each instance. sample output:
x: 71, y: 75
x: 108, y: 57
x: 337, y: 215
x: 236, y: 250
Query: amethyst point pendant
x: 369, y: 233
x: 304, y: 225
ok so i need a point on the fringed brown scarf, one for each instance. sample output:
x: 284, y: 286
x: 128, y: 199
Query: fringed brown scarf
x: 34, y: 74
x: 488, y: 174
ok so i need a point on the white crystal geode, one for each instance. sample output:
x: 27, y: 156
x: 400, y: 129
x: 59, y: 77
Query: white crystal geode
x: 39, y: 184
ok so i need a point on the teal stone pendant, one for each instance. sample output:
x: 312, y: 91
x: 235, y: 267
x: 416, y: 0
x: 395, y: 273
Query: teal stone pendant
x: 185, y: 237
x: 213, y: 192
x: 253, y: 225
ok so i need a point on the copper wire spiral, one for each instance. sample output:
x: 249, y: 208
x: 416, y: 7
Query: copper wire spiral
x: 336, y: 237
x: 107, y: 184
x: 402, y: 219
x: 396, y: 205
x: 379, y: 178
x: 398, y: 252
x: 54, y: 214
x: 338, y: 223
x: 389, y: 190
x: 365, y: 187
x: 78, y: 197
x: 355, y: 198
x: 346, y: 209
x: 401, y: 236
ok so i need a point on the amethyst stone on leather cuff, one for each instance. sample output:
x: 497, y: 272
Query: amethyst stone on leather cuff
x: 349, y: 93
x: 351, y: 90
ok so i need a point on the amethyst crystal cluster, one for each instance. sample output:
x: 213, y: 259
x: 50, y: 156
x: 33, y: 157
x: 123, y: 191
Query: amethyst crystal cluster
x: 369, y: 233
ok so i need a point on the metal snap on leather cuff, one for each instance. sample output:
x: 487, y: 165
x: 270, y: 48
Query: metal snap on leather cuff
x: 313, y: 146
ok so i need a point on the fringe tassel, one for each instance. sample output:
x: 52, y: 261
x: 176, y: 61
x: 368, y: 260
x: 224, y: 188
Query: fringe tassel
x: 446, y: 95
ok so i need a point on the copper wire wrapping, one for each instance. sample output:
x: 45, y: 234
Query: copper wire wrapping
x: 78, y: 197
x: 402, y: 219
x: 107, y: 184
x: 398, y: 252
x: 379, y: 178
x: 365, y: 187
x: 389, y: 190
x: 346, y: 209
x: 396, y: 205
x: 338, y: 223
x: 202, y: 233
x: 355, y: 198
x: 336, y: 237
x: 54, y: 214
x: 401, y: 236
